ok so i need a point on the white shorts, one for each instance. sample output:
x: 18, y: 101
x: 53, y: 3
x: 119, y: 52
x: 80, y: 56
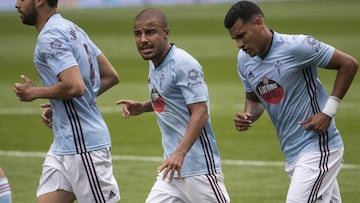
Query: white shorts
x: 313, y: 178
x: 195, y: 189
x: 89, y: 176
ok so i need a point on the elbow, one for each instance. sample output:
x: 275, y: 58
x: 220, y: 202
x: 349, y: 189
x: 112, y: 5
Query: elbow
x: 116, y: 79
x: 353, y: 65
x: 77, y: 92
x: 113, y: 80
x: 81, y: 92
x: 205, y: 115
x: 351, y: 68
x: 201, y: 115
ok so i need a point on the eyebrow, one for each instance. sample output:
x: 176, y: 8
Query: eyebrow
x: 239, y: 35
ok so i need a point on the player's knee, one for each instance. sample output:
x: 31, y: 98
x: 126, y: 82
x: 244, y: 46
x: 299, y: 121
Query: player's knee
x: 2, y: 173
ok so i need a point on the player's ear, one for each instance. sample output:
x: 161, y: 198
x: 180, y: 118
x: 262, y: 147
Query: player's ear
x: 167, y: 32
x: 259, y: 20
x: 39, y: 3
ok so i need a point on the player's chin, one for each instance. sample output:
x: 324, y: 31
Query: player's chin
x: 251, y: 54
x: 146, y: 56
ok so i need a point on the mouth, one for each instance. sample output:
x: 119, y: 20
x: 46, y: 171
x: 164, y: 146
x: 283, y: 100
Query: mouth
x: 21, y: 14
x: 146, y: 49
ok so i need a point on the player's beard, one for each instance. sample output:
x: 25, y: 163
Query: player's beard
x: 30, y: 17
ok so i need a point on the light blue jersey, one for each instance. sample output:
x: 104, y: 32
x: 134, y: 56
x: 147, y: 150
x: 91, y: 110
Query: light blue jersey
x: 77, y: 123
x: 177, y: 82
x: 286, y: 82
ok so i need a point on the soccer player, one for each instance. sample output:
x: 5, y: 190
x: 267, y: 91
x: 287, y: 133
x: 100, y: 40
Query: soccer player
x: 191, y: 170
x: 280, y: 74
x: 5, y: 192
x: 73, y: 72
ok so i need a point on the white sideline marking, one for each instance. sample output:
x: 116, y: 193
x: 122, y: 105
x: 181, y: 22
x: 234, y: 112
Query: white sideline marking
x: 116, y: 109
x: 160, y: 159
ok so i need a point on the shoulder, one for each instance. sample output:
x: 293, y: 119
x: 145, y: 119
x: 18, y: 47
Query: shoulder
x: 300, y: 46
x: 289, y: 42
x: 289, y: 38
x: 309, y: 47
x: 299, y: 41
x: 57, y: 26
x: 181, y: 55
x: 305, y: 49
x: 183, y: 59
x: 52, y: 30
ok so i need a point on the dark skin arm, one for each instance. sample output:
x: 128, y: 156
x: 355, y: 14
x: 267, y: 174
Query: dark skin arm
x: 134, y: 108
x: 108, y: 76
x: 70, y: 85
x: 253, y: 110
x: 198, y: 119
x: 346, y: 67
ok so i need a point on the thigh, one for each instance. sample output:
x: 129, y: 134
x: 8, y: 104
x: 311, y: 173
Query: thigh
x: 59, y: 196
x: 53, y: 177
x: 336, y: 196
x: 164, y: 192
x: 92, y: 178
x: 200, y: 188
x: 311, y: 183
x: 207, y: 188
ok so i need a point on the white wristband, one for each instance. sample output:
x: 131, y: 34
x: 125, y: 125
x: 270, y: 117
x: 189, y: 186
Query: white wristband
x: 331, y: 106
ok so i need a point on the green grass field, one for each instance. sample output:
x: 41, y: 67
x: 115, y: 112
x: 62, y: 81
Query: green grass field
x: 199, y: 30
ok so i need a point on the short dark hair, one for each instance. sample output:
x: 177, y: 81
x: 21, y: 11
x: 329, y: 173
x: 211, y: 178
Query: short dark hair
x: 52, y: 3
x: 244, y: 10
x: 152, y: 13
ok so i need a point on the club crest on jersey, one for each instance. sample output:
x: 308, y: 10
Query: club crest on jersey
x: 157, y: 101
x: 278, y: 66
x: 271, y: 91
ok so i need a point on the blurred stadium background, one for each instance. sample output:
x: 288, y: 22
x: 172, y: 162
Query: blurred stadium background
x: 9, y: 4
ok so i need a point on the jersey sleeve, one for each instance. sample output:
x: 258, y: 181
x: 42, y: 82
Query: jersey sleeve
x: 56, y: 50
x: 311, y: 52
x: 189, y: 78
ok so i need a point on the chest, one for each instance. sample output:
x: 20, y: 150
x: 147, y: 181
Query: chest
x: 164, y: 82
x: 273, y: 80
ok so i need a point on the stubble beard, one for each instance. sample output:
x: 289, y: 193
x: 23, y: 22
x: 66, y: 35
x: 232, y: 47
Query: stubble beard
x: 30, y: 18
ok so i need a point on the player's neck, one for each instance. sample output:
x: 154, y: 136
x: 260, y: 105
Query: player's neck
x: 43, y: 17
x: 158, y: 61
x: 267, y: 46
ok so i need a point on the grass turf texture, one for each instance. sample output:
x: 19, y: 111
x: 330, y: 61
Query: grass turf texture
x: 199, y: 30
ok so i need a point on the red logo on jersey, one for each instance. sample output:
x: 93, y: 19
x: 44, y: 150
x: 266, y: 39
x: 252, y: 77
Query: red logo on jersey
x: 270, y: 91
x: 157, y: 101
